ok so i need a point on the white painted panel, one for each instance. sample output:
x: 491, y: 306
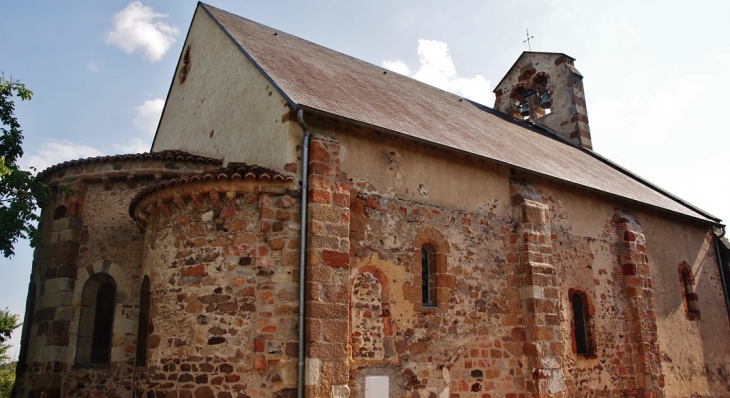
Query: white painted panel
x: 376, y: 387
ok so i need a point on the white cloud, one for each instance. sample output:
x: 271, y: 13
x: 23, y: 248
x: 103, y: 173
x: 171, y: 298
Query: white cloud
x: 54, y: 151
x: 138, y: 28
x: 437, y: 69
x: 397, y: 66
x: 135, y: 145
x: 148, y: 115
x: 93, y: 67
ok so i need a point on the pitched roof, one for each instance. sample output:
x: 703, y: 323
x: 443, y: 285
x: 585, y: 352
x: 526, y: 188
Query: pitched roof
x: 319, y: 79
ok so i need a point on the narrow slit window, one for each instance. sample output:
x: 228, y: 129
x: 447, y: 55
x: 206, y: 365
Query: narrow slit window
x: 103, y: 320
x: 691, y: 301
x: 428, y: 276
x: 144, y: 316
x: 96, y: 322
x: 581, y: 325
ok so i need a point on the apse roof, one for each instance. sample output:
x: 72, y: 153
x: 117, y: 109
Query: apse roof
x: 169, y: 155
x: 316, y: 78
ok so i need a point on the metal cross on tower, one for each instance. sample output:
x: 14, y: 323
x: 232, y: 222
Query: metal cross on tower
x: 528, y: 40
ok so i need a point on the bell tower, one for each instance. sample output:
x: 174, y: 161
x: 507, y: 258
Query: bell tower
x: 546, y: 89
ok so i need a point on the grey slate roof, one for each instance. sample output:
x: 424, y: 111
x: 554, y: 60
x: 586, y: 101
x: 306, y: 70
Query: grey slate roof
x: 317, y: 78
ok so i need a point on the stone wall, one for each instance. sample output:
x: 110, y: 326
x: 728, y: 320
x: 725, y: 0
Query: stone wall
x: 86, y: 230
x: 504, y: 262
x: 222, y: 258
x: 508, y: 269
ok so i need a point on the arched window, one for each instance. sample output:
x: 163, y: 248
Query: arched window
x: 428, y: 276
x: 60, y: 212
x: 542, y: 101
x: 144, y: 317
x: 691, y: 302
x: 582, y: 333
x: 96, y: 322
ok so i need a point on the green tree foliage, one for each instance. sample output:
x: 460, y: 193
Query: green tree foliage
x: 7, y: 379
x: 8, y: 323
x: 20, y: 192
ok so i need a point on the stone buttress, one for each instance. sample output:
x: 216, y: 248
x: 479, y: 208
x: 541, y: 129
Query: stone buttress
x: 328, y: 269
x: 537, y: 282
x: 641, y: 369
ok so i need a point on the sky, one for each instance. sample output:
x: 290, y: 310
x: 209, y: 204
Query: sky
x: 100, y: 71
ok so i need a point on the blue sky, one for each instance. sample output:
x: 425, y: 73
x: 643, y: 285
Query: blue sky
x: 653, y: 72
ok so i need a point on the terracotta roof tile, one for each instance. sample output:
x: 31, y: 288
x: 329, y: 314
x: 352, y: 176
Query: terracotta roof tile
x: 171, y: 155
x: 234, y: 171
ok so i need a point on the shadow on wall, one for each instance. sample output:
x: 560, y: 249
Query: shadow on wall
x: 715, y: 329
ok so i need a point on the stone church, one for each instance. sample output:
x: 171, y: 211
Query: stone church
x: 307, y: 224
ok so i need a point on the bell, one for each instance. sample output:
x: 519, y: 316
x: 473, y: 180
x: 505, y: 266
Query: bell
x: 545, y: 100
x: 524, y: 109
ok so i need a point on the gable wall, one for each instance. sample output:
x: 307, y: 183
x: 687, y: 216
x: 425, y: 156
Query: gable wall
x: 226, y: 108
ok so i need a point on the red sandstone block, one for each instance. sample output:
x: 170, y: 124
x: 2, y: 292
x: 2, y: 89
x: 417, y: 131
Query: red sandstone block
x: 340, y: 230
x: 418, y: 347
x: 335, y: 259
x: 342, y: 200
x: 336, y: 293
x: 318, y: 152
x: 319, y: 196
x: 441, y: 263
x: 530, y: 349
x: 446, y: 281
x: 518, y: 334
x: 634, y: 281
x: 336, y: 331
x: 327, y: 310
x: 335, y: 371
x: 319, y: 182
x: 259, y: 345
x: 323, y: 169
x: 283, y: 215
x: 259, y: 362
x: 276, y: 243
x: 324, y: 242
x: 327, y: 350
x: 198, y: 270
x: 628, y: 269
x: 371, y: 203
